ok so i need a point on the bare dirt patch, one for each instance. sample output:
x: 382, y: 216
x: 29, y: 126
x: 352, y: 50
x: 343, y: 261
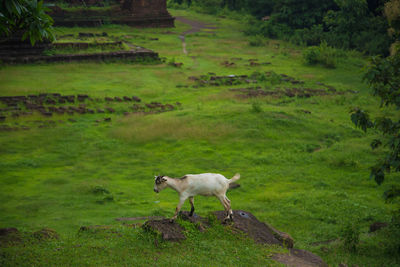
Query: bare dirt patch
x: 9, y: 236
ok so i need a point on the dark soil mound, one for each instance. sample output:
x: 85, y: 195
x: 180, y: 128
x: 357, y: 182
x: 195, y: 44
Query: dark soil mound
x: 169, y: 231
x: 201, y: 223
x: 9, y: 236
x: 259, y: 231
x: 45, y: 234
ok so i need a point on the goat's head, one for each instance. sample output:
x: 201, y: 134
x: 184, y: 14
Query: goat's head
x: 160, y: 183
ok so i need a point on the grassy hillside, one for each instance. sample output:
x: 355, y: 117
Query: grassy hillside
x: 304, y: 167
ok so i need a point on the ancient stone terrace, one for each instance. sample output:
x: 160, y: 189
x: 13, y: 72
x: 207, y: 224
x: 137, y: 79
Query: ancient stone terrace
x: 135, y: 13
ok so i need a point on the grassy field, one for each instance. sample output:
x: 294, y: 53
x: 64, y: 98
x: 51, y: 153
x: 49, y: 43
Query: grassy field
x: 304, y: 167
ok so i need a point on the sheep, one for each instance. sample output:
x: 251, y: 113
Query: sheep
x: 190, y: 185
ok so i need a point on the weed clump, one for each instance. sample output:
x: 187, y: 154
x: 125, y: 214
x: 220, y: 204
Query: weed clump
x: 322, y: 54
x: 351, y: 236
x: 256, y: 107
x: 257, y: 40
x: 98, y: 189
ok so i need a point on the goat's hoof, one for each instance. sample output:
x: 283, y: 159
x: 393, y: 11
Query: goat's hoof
x: 228, y: 220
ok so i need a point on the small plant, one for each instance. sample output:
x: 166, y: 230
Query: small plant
x: 49, y: 52
x: 311, y: 55
x: 98, y: 189
x: 257, y: 40
x: 173, y: 63
x: 351, y: 236
x: 256, y: 107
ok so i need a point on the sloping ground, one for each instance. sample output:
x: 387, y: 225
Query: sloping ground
x: 305, y: 166
x: 243, y: 222
x: 196, y: 26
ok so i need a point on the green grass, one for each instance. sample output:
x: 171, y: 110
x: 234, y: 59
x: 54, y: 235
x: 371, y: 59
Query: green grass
x: 304, y: 173
x: 129, y: 246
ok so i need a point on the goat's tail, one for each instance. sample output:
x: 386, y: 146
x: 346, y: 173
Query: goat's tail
x: 234, y: 178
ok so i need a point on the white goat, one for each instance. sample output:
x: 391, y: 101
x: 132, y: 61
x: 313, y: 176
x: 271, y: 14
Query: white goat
x: 190, y: 185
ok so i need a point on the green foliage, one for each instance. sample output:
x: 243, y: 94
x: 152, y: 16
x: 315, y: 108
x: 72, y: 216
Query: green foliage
x: 383, y: 76
x: 208, y: 6
x: 353, y: 27
x: 98, y: 189
x: 323, y: 54
x: 308, y: 36
x: 256, y: 40
x: 351, y: 236
x: 26, y: 17
x: 256, y: 107
x: 342, y: 24
x: 393, y: 234
x: 301, y: 14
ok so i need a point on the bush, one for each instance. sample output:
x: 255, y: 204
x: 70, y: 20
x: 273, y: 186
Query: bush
x: 351, y: 236
x: 257, y: 40
x: 392, y: 240
x: 311, y: 55
x: 26, y: 17
x: 322, y: 54
x: 256, y: 107
x: 307, y: 37
x: 208, y: 6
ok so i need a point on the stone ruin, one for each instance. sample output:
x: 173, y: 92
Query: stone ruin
x: 135, y: 13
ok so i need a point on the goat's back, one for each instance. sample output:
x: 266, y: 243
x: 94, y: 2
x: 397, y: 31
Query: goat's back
x: 206, y: 184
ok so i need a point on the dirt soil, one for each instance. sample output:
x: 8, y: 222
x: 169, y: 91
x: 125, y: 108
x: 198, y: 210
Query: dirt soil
x: 169, y: 231
x: 299, y: 258
x: 9, y: 236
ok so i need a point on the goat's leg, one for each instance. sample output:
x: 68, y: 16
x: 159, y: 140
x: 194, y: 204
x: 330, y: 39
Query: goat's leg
x: 228, y: 204
x: 226, y: 207
x: 178, y: 208
x: 191, y: 200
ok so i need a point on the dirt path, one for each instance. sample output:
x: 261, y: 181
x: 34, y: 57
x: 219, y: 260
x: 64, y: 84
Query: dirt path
x: 196, y: 27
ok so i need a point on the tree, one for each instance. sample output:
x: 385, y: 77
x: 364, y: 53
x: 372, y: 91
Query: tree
x: 392, y: 13
x: 26, y: 18
x: 383, y: 76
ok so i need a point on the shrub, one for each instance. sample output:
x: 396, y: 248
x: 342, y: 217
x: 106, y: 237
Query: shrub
x: 322, y: 54
x: 256, y: 107
x: 256, y: 40
x: 392, y: 234
x: 351, y: 236
x: 312, y: 36
x: 311, y: 55
x: 208, y: 6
